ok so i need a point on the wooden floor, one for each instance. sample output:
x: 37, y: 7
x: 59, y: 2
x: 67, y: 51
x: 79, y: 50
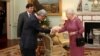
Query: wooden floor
x: 4, y: 42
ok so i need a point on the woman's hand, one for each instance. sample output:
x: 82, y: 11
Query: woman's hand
x: 55, y: 29
x: 72, y: 33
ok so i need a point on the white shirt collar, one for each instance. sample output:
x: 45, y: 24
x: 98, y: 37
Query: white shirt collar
x: 28, y: 13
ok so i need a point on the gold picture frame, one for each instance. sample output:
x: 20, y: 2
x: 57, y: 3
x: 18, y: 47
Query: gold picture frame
x: 53, y: 7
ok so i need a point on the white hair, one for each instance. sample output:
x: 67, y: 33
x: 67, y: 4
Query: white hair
x: 70, y: 11
x: 42, y: 12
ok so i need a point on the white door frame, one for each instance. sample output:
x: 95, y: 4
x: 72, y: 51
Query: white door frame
x: 8, y: 20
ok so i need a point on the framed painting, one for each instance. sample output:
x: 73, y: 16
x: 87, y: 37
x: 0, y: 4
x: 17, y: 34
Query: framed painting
x: 53, y: 7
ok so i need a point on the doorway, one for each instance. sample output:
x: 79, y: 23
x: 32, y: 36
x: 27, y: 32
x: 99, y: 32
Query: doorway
x: 3, y: 23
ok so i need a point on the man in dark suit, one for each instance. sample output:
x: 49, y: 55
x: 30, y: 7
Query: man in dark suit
x: 28, y: 29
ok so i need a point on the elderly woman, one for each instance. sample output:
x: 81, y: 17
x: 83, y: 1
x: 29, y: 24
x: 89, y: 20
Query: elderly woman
x: 74, y: 27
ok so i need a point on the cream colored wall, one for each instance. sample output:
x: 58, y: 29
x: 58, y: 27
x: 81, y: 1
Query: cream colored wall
x: 17, y: 6
x: 66, y: 4
x: 69, y: 4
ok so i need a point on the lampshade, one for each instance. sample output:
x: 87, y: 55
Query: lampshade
x: 64, y: 16
x: 95, y: 1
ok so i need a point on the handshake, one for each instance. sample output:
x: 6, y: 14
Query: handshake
x: 55, y: 29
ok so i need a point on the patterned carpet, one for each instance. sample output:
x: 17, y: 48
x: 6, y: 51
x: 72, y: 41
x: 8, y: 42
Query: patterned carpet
x: 15, y: 51
x: 11, y: 51
x: 57, y: 51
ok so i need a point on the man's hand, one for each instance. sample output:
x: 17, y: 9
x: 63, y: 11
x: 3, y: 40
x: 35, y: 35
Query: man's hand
x: 55, y: 29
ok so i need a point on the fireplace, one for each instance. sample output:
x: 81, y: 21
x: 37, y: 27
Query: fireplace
x: 92, y: 32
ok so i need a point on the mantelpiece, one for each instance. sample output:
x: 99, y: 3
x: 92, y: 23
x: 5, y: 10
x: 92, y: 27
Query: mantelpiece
x: 91, y: 20
x: 89, y: 16
x: 88, y: 13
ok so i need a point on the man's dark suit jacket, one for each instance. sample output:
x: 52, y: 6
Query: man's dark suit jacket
x: 28, y: 29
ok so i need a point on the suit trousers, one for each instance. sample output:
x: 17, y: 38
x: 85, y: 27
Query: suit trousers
x: 28, y: 52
